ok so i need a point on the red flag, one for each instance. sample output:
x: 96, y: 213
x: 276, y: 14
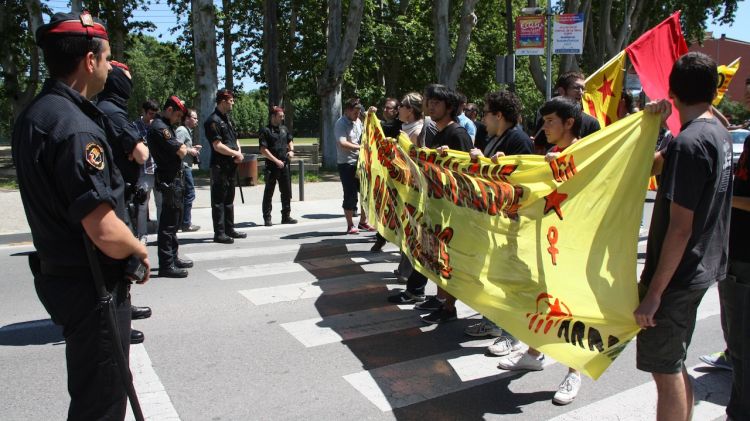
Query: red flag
x: 653, y: 55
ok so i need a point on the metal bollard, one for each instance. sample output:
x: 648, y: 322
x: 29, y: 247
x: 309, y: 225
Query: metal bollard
x: 301, y: 164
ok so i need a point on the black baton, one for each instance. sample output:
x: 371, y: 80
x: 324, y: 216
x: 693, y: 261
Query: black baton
x: 105, y: 301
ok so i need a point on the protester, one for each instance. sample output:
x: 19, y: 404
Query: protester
x: 390, y: 123
x: 562, y: 124
x: 569, y: 85
x: 502, y: 110
x: 226, y: 153
x: 277, y: 145
x: 472, y: 112
x: 464, y: 121
x: 184, y: 135
x: 348, y: 133
x: 410, y: 115
x: 687, y: 247
x: 168, y: 154
x: 146, y: 178
x: 71, y: 189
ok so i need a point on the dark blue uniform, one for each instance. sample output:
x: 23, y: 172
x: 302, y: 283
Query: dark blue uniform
x: 163, y: 145
x: 65, y: 171
x: 276, y: 140
x: 223, y: 173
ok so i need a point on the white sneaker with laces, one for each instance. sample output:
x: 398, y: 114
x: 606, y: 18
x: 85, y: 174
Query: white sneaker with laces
x: 568, y: 389
x: 523, y: 361
x: 504, y: 346
x: 483, y: 329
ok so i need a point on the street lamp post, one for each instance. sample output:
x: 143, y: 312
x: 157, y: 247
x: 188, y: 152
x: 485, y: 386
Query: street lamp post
x: 548, y: 17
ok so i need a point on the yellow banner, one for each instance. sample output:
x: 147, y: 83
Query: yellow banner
x: 604, y: 90
x: 726, y: 73
x: 545, y: 250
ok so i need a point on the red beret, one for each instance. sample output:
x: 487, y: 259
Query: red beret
x: 179, y: 103
x: 223, y: 94
x: 70, y: 24
x: 123, y: 66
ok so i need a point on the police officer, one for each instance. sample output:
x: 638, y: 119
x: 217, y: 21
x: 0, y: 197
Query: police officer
x: 168, y: 153
x: 71, y: 189
x: 129, y: 153
x: 277, y: 146
x: 225, y: 155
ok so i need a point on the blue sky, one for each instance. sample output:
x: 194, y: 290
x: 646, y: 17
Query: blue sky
x: 161, y: 15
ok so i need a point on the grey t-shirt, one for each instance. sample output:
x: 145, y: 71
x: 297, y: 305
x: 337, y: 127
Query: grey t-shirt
x: 185, y: 135
x: 697, y: 175
x: 352, y: 130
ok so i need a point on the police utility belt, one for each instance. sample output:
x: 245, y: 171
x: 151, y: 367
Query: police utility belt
x: 163, y: 183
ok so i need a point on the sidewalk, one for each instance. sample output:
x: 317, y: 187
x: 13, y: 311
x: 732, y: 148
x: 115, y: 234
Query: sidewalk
x: 322, y: 201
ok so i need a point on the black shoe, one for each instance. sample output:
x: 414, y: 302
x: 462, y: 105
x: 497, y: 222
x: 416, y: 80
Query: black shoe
x: 136, y: 337
x: 223, y: 239
x: 267, y: 222
x: 440, y: 315
x: 183, y: 263
x: 172, y: 272
x: 237, y: 234
x: 405, y: 297
x: 190, y: 228
x: 432, y: 303
x: 378, y: 246
x: 288, y: 220
x: 137, y: 313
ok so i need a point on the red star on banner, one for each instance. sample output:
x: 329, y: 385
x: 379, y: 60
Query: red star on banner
x: 606, y: 88
x: 553, y: 201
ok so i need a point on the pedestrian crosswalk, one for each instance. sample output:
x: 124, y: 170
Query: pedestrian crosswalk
x: 308, y: 275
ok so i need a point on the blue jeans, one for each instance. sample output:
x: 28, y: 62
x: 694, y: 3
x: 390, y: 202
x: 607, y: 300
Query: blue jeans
x: 189, y: 197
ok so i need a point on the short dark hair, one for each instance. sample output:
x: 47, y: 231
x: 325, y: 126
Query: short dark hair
x: 505, y: 103
x: 461, y: 98
x: 62, y: 54
x: 444, y: 94
x: 564, y: 108
x: 351, y: 104
x: 694, y: 78
x: 150, y: 105
x: 566, y: 79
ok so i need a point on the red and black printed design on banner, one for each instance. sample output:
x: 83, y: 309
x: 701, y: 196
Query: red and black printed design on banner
x: 427, y: 244
x: 563, y: 169
x: 553, y: 312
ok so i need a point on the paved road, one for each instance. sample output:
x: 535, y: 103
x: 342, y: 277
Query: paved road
x: 292, y: 323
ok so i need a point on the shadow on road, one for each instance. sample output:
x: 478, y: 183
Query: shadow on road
x: 37, y: 332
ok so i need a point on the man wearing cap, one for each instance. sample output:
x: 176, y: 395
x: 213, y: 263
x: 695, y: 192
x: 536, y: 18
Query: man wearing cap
x: 225, y: 155
x: 70, y: 188
x: 129, y: 152
x: 277, y: 146
x: 168, y: 153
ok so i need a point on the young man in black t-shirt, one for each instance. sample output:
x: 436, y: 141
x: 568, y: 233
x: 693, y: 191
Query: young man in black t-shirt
x: 687, y: 242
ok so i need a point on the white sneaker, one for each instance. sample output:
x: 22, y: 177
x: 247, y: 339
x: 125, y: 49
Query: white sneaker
x: 504, y: 346
x: 523, y: 361
x: 483, y: 329
x: 568, y: 389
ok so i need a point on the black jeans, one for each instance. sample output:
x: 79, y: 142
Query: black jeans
x: 222, y: 198
x: 283, y: 176
x: 416, y: 283
x: 94, y: 382
x: 350, y: 184
x: 170, y: 220
x: 735, y: 322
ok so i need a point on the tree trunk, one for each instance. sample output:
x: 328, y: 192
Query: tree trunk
x: 286, y: 99
x: 21, y: 92
x: 271, y: 50
x: 76, y: 6
x: 339, y: 54
x: 449, y: 66
x: 117, y: 31
x: 538, y: 74
x: 206, y: 79
x: 226, y: 25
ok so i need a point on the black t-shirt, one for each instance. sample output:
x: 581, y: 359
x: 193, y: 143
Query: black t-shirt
x: 454, y: 136
x: 739, y: 246
x: 697, y: 175
x: 480, y: 139
x: 276, y: 139
x: 588, y: 125
x: 164, y: 145
x: 513, y: 142
x: 391, y: 128
x: 219, y: 128
x: 65, y: 171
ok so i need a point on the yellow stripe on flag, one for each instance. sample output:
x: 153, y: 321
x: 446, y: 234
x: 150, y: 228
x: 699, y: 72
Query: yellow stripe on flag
x: 546, y: 250
x: 726, y: 74
x: 603, y: 91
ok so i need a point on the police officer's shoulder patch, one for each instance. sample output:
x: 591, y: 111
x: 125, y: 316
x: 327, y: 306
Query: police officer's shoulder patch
x: 95, y: 155
x: 167, y: 135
